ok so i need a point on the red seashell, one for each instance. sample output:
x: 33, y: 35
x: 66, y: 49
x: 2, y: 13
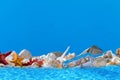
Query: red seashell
x: 2, y: 59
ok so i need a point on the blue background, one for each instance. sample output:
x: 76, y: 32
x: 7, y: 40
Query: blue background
x: 42, y: 26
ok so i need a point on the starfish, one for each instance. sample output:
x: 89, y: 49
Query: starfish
x: 17, y: 60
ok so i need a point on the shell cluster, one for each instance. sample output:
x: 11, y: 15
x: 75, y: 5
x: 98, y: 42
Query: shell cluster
x: 59, y: 59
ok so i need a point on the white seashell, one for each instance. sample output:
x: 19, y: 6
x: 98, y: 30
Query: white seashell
x: 25, y: 54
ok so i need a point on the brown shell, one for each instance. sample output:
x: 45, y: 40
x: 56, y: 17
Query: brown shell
x: 94, y: 50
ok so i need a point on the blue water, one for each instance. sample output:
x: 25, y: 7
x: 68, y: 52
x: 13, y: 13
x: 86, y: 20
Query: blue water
x: 43, y: 26
x: 105, y: 73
